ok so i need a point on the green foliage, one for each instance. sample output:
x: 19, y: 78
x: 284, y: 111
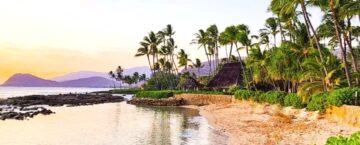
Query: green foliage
x: 293, y: 100
x: 344, y: 96
x: 317, y: 102
x: 154, y: 94
x: 162, y: 81
x: 354, y: 139
x: 273, y: 97
x: 233, y: 89
x: 124, y: 91
x: 244, y: 94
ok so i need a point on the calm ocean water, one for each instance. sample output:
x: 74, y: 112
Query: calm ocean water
x: 107, y: 124
x: 6, y: 92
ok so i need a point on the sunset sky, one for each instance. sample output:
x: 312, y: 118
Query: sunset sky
x: 49, y: 38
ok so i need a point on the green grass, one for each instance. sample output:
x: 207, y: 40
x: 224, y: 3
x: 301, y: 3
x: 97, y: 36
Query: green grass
x: 171, y: 93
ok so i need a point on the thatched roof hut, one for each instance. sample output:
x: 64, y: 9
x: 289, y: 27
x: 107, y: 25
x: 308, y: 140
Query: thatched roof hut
x: 189, y: 83
x: 229, y: 75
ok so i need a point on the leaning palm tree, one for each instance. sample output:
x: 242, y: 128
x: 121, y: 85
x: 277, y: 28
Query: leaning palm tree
x: 143, y: 50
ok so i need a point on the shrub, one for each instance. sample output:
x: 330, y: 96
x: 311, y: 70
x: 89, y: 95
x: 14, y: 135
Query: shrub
x: 317, y: 102
x: 293, y: 100
x: 162, y: 81
x: 244, y: 94
x: 274, y: 97
x: 354, y: 139
x: 233, y: 89
x: 343, y: 96
x: 154, y: 94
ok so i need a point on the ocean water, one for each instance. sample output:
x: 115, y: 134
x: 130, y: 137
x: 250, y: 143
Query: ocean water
x: 108, y: 124
x: 6, y: 92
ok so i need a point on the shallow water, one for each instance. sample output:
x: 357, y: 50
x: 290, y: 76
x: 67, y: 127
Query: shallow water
x: 112, y: 124
x: 6, y: 92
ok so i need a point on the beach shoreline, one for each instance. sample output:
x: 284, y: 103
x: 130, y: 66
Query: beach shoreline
x: 246, y: 122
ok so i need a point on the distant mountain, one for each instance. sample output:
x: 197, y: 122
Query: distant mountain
x: 28, y: 80
x: 93, y: 82
x: 80, y: 75
x: 87, y: 74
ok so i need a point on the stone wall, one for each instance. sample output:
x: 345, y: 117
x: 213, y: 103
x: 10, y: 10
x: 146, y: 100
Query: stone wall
x: 345, y: 114
x: 205, y: 99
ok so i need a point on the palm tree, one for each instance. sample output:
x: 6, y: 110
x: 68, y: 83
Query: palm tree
x: 183, y: 59
x: 271, y: 26
x: 112, y: 76
x: 197, y: 64
x: 201, y: 39
x: 230, y: 34
x: 289, y: 7
x: 152, y: 42
x: 119, y: 74
x: 213, y: 35
x: 143, y: 50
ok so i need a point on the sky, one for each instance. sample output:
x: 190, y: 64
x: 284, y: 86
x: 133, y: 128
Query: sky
x: 50, y: 38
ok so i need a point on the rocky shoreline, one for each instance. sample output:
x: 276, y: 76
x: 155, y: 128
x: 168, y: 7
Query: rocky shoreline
x: 157, y: 102
x: 21, y: 108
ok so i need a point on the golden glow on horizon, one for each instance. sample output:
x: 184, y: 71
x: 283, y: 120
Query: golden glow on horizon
x: 51, y: 62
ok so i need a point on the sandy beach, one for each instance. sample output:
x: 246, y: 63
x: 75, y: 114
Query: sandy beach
x: 252, y: 123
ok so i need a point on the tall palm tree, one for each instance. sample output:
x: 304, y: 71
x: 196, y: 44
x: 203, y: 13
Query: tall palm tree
x: 152, y: 41
x: 213, y: 35
x: 289, y: 7
x: 201, y: 39
x: 230, y: 34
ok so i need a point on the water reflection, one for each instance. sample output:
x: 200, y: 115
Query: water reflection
x: 112, y: 124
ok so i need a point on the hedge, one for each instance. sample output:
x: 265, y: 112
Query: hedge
x: 125, y: 91
x: 244, y: 94
x: 293, y: 100
x: 154, y: 94
x: 343, y: 96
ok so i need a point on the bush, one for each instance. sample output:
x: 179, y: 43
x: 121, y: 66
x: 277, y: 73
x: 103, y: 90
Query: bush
x: 317, y: 102
x: 354, y: 139
x: 293, y: 100
x: 233, y: 89
x: 343, y: 96
x: 244, y: 94
x: 154, y: 94
x: 273, y: 97
x: 162, y: 81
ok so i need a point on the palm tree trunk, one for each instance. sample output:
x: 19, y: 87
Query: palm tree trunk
x: 230, y: 53
x: 348, y: 41
x: 337, y: 30
x: 274, y: 40
x: 208, y: 59
x: 243, y: 69
x: 309, y: 26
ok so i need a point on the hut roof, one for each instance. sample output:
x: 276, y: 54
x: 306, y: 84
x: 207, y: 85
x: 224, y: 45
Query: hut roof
x: 191, y: 83
x: 229, y: 75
